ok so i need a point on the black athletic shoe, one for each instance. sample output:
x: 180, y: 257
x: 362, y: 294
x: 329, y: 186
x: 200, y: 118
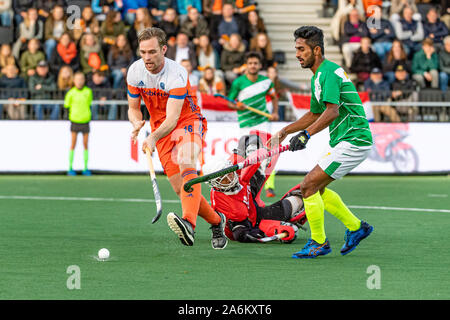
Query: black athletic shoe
x: 219, y: 239
x: 182, y: 228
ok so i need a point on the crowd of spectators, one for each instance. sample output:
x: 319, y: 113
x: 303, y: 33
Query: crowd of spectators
x: 383, y: 34
x: 51, y: 43
x: 396, y: 49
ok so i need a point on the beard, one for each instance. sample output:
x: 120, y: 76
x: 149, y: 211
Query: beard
x: 308, y: 63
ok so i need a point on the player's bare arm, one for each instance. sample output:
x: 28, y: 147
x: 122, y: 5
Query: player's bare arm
x: 173, y: 111
x: 135, y: 116
x: 274, y: 114
x: 325, y: 119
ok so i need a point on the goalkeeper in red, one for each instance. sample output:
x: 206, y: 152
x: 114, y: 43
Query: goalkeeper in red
x: 335, y: 104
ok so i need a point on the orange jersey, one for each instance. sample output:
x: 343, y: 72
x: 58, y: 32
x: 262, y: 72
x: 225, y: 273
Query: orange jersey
x: 155, y: 89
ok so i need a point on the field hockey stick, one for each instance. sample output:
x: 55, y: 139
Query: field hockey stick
x: 155, y: 186
x: 278, y: 236
x: 238, y: 166
x: 262, y: 113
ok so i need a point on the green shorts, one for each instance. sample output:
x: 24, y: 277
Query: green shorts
x: 343, y: 158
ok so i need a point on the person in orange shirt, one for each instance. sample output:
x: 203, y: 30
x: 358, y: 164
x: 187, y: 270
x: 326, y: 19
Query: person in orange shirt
x: 178, y: 130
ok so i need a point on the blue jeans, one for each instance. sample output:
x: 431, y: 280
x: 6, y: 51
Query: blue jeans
x: 443, y: 80
x: 117, y: 77
x: 112, y: 111
x: 129, y: 18
x: 1, y: 111
x: 5, y: 19
x: 49, y: 46
x: 390, y: 76
x: 381, y: 48
x: 39, y: 111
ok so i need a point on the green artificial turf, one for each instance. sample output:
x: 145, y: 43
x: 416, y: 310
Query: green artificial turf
x: 42, y: 237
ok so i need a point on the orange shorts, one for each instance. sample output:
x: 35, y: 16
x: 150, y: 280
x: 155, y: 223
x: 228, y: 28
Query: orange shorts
x: 188, y: 131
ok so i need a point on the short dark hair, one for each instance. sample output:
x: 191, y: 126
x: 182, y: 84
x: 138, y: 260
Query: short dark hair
x: 153, y: 32
x: 312, y: 35
x: 253, y: 54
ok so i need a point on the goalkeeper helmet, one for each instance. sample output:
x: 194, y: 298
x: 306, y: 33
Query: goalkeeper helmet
x: 223, y: 183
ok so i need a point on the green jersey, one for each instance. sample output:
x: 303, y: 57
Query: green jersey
x: 253, y: 94
x: 79, y: 104
x: 331, y: 84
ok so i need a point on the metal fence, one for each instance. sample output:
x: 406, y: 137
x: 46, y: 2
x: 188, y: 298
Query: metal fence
x: 110, y: 104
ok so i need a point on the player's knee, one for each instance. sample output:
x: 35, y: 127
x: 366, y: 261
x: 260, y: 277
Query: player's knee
x: 188, y: 154
x: 308, y: 189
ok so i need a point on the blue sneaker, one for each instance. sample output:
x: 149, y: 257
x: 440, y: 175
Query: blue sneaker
x: 86, y: 173
x: 312, y: 249
x: 352, y: 238
x: 71, y: 173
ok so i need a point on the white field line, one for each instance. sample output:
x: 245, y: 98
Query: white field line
x: 15, y: 197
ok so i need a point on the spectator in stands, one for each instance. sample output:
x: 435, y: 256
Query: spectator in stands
x: 183, y: 49
x: 395, y: 56
x: 65, y: 54
x: 207, y: 56
x: 102, y: 7
x: 129, y: 8
x: 364, y: 60
x: 381, y: 33
x: 65, y: 78
x: 143, y: 21
x: 89, y: 22
x: 6, y: 57
x: 341, y: 15
x: 20, y: 8
x: 397, y: 7
x: 434, y: 28
x: 409, y: 30
x: 30, y: 28
x: 170, y: 25
x: 354, y: 30
x: 444, y: 64
x: 232, y: 58
x: 78, y: 100
x: 120, y: 58
x: 45, y: 7
x: 30, y: 58
x: 379, y: 90
x: 6, y: 13
x: 158, y: 7
x: 228, y: 25
x: 194, y: 75
x: 183, y: 7
x: 91, y: 55
x: 255, y: 23
x: 425, y: 65
x: 404, y: 90
x: 16, y: 85
x: 41, y: 86
x: 261, y: 44
x: 211, y: 83
x: 100, y: 85
x: 111, y: 28
x: 76, y: 31
x: 54, y: 27
x: 194, y: 26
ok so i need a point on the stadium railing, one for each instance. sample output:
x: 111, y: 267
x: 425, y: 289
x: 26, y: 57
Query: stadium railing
x: 429, y: 104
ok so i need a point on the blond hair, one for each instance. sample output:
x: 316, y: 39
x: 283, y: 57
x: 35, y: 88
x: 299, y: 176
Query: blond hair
x: 153, y: 32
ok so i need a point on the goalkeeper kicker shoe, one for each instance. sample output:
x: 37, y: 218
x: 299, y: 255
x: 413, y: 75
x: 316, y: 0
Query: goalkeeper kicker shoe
x: 219, y: 240
x: 182, y: 228
x: 312, y: 249
x: 352, y: 238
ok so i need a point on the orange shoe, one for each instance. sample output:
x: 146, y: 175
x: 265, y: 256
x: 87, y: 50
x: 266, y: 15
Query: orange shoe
x: 270, y: 193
